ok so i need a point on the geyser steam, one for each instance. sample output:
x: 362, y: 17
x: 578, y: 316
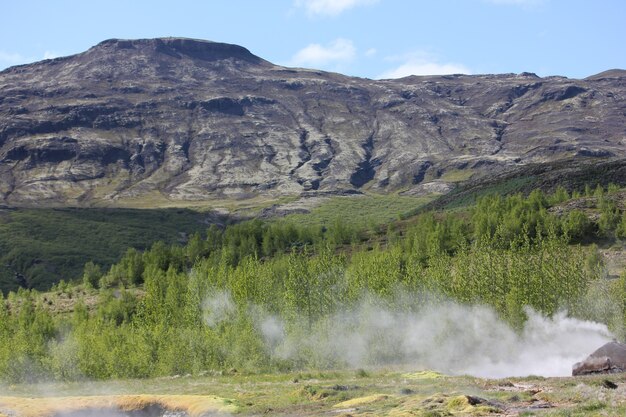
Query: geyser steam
x: 448, y: 337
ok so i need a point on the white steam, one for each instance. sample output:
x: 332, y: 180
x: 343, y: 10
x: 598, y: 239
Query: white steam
x: 449, y: 338
x: 217, y: 308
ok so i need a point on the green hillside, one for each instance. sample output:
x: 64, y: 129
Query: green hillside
x: 262, y: 295
x: 49, y: 245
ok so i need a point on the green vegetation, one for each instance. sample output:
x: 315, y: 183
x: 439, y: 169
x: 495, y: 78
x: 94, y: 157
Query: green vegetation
x: 47, y: 245
x: 178, y: 309
x: 572, y: 175
x: 377, y: 393
x: 365, y: 211
x: 501, y: 188
x: 457, y: 175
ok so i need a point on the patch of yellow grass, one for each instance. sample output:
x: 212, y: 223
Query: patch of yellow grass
x: 194, y: 405
x: 423, y: 375
x: 355, y: 402
x: 443, y: 404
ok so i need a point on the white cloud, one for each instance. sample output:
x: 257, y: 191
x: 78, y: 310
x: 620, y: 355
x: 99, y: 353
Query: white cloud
x: 8, y: 58
x: 339, y: 51
x: 421, y: 63
x: 330, y: 7
x: 424, y: 68
x: 370, y: 52
x: 50, y: 55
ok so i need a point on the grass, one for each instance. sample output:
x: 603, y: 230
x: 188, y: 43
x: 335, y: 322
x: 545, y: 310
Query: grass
x: 362, y: 211
x: 47, y: 245
x: 193, y: 405
x: 242, y: 206
x: 379, y: 393
x: 457, y: 175
x: 570, y: 174
x: 510, y: 186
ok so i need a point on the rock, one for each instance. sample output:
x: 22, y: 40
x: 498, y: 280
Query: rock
x: 428, y: 188
x: 176, y: 119
x: 610, y: 358
x: 609, y: 384
x: 592, y: 365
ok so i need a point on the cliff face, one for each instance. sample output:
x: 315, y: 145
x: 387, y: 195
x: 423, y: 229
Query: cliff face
x: 181, y: 119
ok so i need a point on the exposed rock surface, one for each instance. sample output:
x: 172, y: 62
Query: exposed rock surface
x: 180, y: 119
x: 610, y: 358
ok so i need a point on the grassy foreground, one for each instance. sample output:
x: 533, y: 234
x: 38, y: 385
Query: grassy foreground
x: 193, y: 405
x: 340, y: 393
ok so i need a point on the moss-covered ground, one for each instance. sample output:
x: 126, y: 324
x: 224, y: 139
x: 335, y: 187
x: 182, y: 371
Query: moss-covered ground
x: 334, y: 393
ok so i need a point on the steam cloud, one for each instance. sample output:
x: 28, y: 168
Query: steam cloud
x: 450, y: 338
x: 217, y: 308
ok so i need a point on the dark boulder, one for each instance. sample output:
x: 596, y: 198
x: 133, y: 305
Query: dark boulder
x: 610, y: 358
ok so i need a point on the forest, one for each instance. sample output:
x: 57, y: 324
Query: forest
x: 246, y: 296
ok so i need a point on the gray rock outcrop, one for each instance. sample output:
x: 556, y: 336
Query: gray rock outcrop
x: 173, y: 119
x: 610, y: 358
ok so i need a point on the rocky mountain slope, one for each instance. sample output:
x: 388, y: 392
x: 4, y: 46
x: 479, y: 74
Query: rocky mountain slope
x: 156, y: 120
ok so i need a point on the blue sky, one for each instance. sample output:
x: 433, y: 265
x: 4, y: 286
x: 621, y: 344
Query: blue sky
x: 367, y: 38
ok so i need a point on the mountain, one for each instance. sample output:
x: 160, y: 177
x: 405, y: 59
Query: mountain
x: 155, y: 121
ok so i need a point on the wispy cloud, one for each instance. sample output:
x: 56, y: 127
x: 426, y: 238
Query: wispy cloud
x: 339, y: 51
x: 421, y: 63
x: 371, y: 52
x: 50, y: 55
x: 330, y: 7
x: 9, y: 58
